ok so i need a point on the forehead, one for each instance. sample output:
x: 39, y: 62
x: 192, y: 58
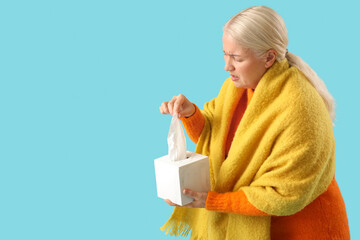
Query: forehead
x: 231, y: 47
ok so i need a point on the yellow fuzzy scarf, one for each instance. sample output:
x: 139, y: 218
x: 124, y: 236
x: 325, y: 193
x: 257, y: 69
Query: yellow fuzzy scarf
x: 282, y: 155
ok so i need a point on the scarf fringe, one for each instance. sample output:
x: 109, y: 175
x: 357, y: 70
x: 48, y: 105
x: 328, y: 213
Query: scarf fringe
x: 176, y: 228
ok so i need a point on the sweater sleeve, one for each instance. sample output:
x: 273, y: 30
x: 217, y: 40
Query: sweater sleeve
x: 232, y: 202
x: 194, y: 124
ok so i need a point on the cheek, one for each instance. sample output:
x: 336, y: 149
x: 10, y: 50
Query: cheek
x: 252, y: 69
x: 244, y: 69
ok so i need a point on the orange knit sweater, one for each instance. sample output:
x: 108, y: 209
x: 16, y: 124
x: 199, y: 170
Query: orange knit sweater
x: 324, y: 218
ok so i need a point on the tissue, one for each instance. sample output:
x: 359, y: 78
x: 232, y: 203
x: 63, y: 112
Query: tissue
x: 176, y: 140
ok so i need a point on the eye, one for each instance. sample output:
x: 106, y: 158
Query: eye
x: 238, y: 59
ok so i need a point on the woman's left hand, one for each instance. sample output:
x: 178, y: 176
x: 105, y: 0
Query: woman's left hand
x: 199, y: 199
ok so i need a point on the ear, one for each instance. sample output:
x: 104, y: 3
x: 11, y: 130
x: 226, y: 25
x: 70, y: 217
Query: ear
x: 270, y: 58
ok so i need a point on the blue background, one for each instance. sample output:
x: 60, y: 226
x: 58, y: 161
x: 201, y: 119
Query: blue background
x: 81, y: 83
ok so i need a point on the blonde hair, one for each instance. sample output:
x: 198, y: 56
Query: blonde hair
x: 259, y: 29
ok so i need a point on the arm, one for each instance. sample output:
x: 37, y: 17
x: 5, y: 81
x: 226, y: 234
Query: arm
x: 297, y: 171
x: 232, y: 202
x: 194, y: 124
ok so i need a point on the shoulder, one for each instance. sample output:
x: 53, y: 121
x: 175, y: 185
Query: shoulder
x: 303, y: 102
x: 301, y: 92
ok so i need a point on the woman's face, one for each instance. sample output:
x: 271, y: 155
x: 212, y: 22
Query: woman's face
x: 244, y: 67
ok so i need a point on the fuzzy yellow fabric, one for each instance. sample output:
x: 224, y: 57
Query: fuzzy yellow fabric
x: 282, y: 155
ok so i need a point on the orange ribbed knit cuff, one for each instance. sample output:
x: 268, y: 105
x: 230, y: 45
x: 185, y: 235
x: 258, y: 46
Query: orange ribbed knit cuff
x: 232, y: 202
x: 194, y: 124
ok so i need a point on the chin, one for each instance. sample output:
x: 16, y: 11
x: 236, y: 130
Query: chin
x: 239, y: 85
x: 242, y: 85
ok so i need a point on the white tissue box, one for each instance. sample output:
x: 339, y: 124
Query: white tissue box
x: 172, y: 177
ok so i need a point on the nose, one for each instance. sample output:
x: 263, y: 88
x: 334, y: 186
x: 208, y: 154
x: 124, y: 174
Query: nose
x: 228, y: 64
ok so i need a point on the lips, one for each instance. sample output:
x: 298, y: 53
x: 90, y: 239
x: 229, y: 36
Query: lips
x: 234, y: 78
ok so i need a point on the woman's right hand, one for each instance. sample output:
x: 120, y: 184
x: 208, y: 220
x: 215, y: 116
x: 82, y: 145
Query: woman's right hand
x: 178, y: 104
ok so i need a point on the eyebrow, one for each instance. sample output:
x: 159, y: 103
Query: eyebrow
x: 232, y: 55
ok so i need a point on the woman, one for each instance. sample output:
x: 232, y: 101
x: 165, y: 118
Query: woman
x: 269, y: 138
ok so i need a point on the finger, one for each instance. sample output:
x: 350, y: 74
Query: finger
x: 171, y: 203
x: 180, y: 110
x: 178, y: 103
x: 191, y: 193
x: 164, y: 108
x: 171, y: 105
